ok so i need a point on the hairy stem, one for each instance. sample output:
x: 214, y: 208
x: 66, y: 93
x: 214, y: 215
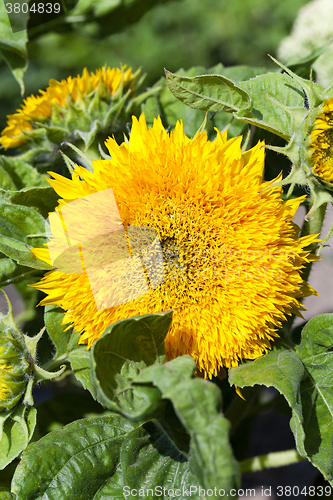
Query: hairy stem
x: 276, y: 459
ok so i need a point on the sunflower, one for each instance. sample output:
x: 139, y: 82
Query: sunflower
x: 321, y: 143
x: 224, y: 252
x: 37, y: 110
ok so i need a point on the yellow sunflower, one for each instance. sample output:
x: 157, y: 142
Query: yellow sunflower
x: 321, y: 143
x: 226, y: 254
x: 38, y: 109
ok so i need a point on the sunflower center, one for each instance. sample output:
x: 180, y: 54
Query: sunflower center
x: 173, y: 267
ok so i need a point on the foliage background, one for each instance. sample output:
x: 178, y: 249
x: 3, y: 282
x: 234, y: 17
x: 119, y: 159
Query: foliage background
x: 183, y: 33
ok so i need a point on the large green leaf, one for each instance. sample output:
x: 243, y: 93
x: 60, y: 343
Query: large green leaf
x: 19, y: 227
x: 304, y: 377
x: 15, y: 173
x: 43, y: 199
x: 125, y: 348
x: 13, y: 47
x: 273, y: 101
x: 209, y: 93
x: 165, y: 104
x: 16, y: 429
x: 278, y: 103
x: 67, y: 348
x: 198, y: 404
x: 101, y: 458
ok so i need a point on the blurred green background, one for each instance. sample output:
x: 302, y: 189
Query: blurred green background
x: 175, y: 34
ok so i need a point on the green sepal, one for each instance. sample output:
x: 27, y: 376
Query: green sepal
x: 31, y: 342
x: 77, y: 119
x: 40, y: 374
x: 8, y: 327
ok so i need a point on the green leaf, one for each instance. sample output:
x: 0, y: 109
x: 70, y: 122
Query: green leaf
x: 165, y: 104
x: 13, y: 47
x: 79, y: 359
x: 18, y: 228
x: 303, y: 66
x: 67, y: 348
x: 97, y: 458
x: 278, y: 104
x: 209, y: 93
x: 237, y: 73
x: 12, y: 272
x: 64, y: 341
x: 304, y: 377
x: 43, y: 199
x: 198, y: 404
x: 6, y: 495
x: 15, y: 173
x: 117, y: 357
x: 16, y: 429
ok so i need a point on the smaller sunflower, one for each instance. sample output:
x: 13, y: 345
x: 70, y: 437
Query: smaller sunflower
x: 321, y: 143
x: 48, y: 108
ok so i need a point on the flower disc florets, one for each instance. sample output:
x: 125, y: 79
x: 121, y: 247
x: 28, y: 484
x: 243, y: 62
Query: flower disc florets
x: 226, y: 255
x: 321, y: 145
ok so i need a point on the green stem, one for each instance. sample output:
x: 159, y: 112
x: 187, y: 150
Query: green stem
x: 314, y: 226
x: 276, y: 459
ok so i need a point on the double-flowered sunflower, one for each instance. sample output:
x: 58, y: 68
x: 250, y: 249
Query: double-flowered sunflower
x: 231, y: 259
x: 49, y: 110
x: 321, y: 143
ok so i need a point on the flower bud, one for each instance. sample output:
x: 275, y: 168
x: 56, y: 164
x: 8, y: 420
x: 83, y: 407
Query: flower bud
x: 13, y: 376
x: 78, y: 110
